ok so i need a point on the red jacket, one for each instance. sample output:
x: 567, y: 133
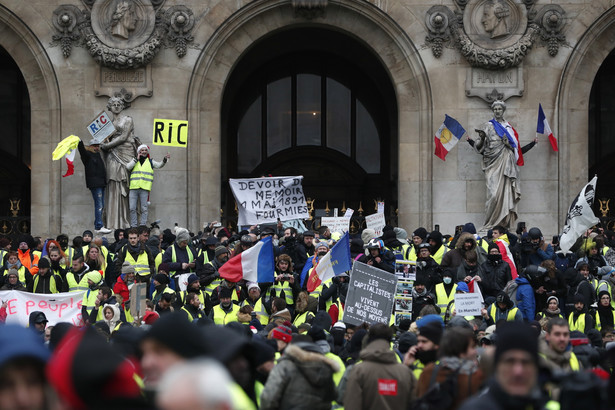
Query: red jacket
x: 121, y: 288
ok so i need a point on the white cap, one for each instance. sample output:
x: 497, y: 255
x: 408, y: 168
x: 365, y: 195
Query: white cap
x: 252, y: 285
x: 341, y: 325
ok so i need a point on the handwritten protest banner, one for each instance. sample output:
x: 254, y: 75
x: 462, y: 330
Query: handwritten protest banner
x: 263, y: 200
x: 468, y: 304
x: 370, y: 297
x: 336, y: 224
x: 58, y: 307
x: 376, y: 222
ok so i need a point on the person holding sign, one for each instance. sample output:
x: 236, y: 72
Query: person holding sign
x: 95, y: 180
x: 141, y: 179
x: 502, y: 308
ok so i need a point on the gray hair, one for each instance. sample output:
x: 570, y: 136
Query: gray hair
x: 498, y: 102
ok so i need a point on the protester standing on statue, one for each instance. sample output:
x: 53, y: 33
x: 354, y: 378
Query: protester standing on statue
x: 95, y: 180
x: 502, y: 156
x: 119, y: 149
x: 141, y: 179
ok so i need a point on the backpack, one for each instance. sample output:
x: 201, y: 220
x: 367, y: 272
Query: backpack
x: 511, y: 290
x: 439, y: 396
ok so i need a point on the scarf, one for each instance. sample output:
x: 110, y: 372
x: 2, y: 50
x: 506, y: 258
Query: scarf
x: 464, y: 366
x: 606, y: 315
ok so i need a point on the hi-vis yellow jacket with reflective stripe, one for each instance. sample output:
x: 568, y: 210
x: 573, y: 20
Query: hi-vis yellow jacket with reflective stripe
x: 141, y: 264
x: 142, y: 176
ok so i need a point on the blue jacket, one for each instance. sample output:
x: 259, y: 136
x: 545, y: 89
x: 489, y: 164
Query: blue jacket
x: 525, y: 298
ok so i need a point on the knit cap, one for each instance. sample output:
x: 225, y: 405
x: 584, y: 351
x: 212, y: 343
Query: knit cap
x: 282, y: 333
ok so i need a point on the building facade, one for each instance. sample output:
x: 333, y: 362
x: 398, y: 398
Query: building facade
x: 347, y: 93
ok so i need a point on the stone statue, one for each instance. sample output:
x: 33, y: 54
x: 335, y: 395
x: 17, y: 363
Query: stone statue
x: 502, y: 156
x: 120, y: 149
x: 495, y: 18
x: 124, y: 19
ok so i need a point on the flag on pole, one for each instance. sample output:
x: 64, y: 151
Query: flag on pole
x: 254, y: 265
x: 474, y: 288
x: 580, y: 216
x: 67, y: 148
x: 337, y: 261
x: 543, y: 129
x: 448, y: 135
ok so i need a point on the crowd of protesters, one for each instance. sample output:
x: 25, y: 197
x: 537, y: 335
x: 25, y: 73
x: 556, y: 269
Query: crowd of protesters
x: 544, y: 338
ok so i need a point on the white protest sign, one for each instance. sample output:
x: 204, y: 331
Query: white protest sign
x: 376, y: 222
x: 370, y: 296
x: 57, y: 307
x: 182, y: 280
x: 335, y: 224
x: 263, y: 200
x: 468, y: 304
x: 349, y: 213
x: 380, y: 207
x: 101, y: 127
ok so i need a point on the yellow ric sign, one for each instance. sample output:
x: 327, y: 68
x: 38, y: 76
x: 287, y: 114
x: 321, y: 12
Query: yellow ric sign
x: 171, y: 133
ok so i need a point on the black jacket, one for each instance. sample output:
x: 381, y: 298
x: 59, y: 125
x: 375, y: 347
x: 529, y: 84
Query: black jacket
x: 95, y: 171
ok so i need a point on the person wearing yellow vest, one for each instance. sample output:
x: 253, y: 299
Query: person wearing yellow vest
x: 431, y: 328
x: 255, y: 300
x: 445, y: 291
x: 12, y: 262
x: 45, y: 281
x: 226, y: 311
x: 161, y: 282
x: 206, y: 251
x: 438, y: 249
x: 138, y: 256
x: 5, y: 247
x: 502, y: 308
x: 194, y: 286
x: 286, y: 282
x: 192, y: 307
x: 579, y: 319
x: 141, y: 179
x: 180, y: 256
x: 605, y: 314
x: 92, y: 297
x: 418, y: 237
x: 303, y: 314
x: 76, y: 277
x: 555, y: 350
x: 209, y: 275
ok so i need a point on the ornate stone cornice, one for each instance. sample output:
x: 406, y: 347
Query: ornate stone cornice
x: 489, y: 48
x: 309, y: 9
x: 123, y: 35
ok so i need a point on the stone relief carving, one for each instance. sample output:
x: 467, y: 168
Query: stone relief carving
x: 494, y: 34
x: 123, y: 34
x: 310, y: 9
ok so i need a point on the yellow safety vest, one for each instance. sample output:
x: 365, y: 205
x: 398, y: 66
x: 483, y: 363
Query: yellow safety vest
x: 337, y: 376
x: 2, y: 255
x: 209, y: 289
x: 52, y: 284
x: 201, y: 294
x: 410, y: 254
x: 89, y: 300
x: 70, y: 252
x: 142, y: 176
x: 509, y: 318
x: 440, y: 254
x: 165, y: 290
x: 302, y: 318
x: 174, y: 257
x: 601, y: 285
x: 579, y: 324
x: 190, y: 316
x: 222, y: 318
x: 21, y: 274
x: 285, y: 287
x: 158, y: 260
x: 574, y: 363
x: 598, y: 324
x: 73, y: 285
x: 141, y: 264
x: 442, y: 299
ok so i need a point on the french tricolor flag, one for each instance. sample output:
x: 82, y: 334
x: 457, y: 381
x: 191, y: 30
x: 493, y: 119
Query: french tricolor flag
x: 254, y: 265
x: 543, y: 128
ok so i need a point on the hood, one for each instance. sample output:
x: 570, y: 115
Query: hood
x: 522, y: 281
x: 465, y: 236
x: 323, y: 320
x: 378, y: 351
x: 315, y: 367
x: 116, y: 312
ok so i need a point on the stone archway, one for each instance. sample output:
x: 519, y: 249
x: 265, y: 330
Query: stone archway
x: 573, y: 105
x: 38, y: 71
x: 359, y: 19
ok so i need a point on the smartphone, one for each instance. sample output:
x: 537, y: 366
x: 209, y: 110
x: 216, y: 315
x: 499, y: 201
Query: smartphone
x: 555, y: 239
x: 436, y: 227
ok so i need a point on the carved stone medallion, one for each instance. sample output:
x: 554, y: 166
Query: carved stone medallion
x: 495, y: 23
x: 125, y: 24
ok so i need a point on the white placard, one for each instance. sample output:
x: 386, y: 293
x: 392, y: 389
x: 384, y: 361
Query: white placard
x: 375, y: 222
x: 264, y: 200
x: 335, y: 224
x: 468, y: 304
x: 57, y: 307
x: 349, y: 213
x: 101, y: 127
x: 380, y: 207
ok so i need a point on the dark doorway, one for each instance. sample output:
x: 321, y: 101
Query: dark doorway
x: 15, y: 149
x: 602, y: 137
x: 317, y: 103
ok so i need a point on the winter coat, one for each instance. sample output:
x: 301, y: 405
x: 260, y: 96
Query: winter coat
x: 95, y: 171
x: 495, y: 398
x: 302, y: 379
x: 494, y: 276
x: 430, y: 272
x: 525, y: 298
x: 553, y: 287
x: 379, y: 381
x: 466, y: 270
x: 44, y: 283
x: 387, y: 261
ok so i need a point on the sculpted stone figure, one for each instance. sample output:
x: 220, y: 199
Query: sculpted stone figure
x: 495, y: 18
x: 120, y: 149
x: 124, y: 19
x: 502, y: 156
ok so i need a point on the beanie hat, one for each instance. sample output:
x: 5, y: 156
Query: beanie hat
x: 406, y: 341
x: 308, y: 234
x: 164, y: 267
x: 192, y: 278
x: 88, y: 233
x: 174, y: 331
x: 221, y: 250
x: 367, y: 235
x: 579, y: 298
x: 493, y: 245
x: 322, y: 244
x: 43, y: 263
x: 150, y: 317
x: 436, y: 237
x: 127, y: 267
x: 182, y: 236
x: 462, y: 286
x: 12, y: 272
x: 161, y: 278
x: 516, y: 336
x: 225, y: 293
x: 557, y: 300
x: 502, y: 297
x: 263, y: 352
x: 420, y: 280
x: 317, y: 333
x: 431, y: 327
x: 469, y: 228
x: 420, y: 232
x: 400, y: 234
x: 283, y: 333
x: 94, y: 276
x: 253, y: 285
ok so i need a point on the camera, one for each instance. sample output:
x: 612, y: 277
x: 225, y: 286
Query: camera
x: 253, y: 314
